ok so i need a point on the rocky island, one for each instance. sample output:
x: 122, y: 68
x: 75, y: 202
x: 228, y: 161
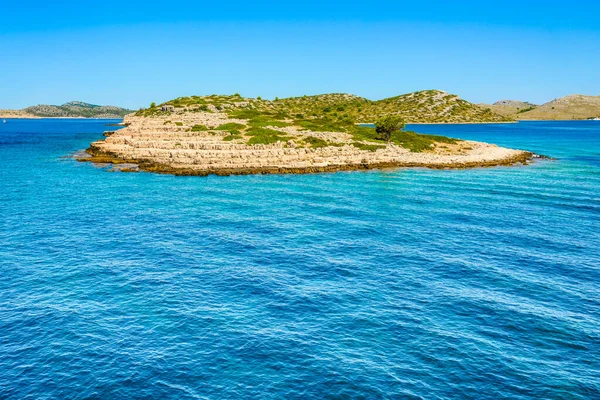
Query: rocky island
x: 235, y: 135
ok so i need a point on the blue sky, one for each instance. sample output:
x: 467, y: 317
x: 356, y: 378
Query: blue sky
x: 130, y: 53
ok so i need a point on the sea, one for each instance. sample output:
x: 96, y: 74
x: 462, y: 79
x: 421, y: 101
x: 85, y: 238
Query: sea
x: 384, y: 284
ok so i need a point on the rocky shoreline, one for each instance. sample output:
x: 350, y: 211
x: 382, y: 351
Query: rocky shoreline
x: 158, y: 145
x: 132, y: 165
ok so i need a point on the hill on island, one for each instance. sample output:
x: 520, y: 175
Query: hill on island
x: 76, y: 109
x: 573, y: 107
x: 429, y: 106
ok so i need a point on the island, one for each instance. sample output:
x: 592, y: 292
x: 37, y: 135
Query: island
x: 72, y: 109
x: 224, y: 135
x: 569, y: 108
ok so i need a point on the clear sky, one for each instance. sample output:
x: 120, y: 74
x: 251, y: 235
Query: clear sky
x: 130, y: 53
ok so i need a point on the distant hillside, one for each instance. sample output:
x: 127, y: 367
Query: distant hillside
x: 77, y: 109
x: 15, y: 114
x: 430, y: 106
x: 573, y: 107
x: 510, y: 107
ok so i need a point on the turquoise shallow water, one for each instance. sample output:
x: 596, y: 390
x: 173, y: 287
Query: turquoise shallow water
x: 481, y: 284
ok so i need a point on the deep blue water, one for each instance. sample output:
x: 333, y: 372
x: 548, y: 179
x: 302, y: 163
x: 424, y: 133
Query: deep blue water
x: 481, y: 284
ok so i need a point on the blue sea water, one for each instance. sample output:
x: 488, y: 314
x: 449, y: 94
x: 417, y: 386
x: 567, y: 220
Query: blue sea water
x: 410, y: 283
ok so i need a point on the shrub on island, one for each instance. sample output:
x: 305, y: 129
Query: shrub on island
x: 388, y: 125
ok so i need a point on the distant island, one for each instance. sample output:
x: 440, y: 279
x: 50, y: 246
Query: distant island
x: 225, y: 135
x: 73, y: 109
x: 572, y: 107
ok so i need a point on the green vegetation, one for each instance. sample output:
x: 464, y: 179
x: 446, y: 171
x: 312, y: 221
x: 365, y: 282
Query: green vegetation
x: 230, y: 126
x: 368, y: 147
x: 199, y: 128
x: 323, y: 125
x: 179, y: 123
x: 261, y: 119
x: 413, y: 141
x: 265, y: 136
x: 417, y: 143
x: 234, y: 130
x: 193, y: 104
x: 232, y: 137
x: 265, y: 120
x: 316, y: 143
x: 388, y: 125
x: 365, y: 133
x: 524, y: 110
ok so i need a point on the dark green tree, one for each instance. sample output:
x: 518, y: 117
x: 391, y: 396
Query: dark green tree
x: 388, y: 125
x: 152, y: 105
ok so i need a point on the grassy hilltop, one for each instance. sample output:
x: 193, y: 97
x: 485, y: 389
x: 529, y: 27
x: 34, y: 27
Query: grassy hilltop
x: 428, y: 106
